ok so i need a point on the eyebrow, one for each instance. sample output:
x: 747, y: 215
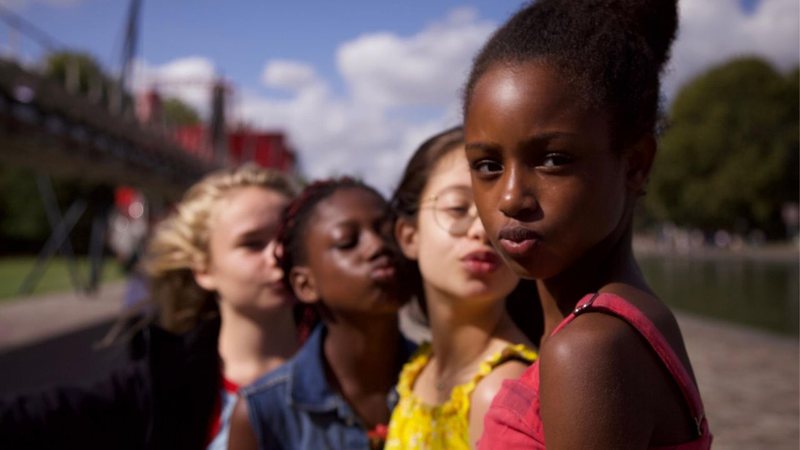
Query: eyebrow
x: 534, y: 139
x: 481, y: 146
x: 255, y: 231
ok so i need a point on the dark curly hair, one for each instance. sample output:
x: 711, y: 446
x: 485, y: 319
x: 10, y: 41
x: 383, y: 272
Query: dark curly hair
x: 611, y: 52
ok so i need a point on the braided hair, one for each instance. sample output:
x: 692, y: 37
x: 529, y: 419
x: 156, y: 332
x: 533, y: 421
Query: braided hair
x: 294, y: 221
x: 611, y: 52
x: 291, y: 248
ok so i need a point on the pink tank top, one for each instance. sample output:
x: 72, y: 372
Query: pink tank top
x: 513, y: 421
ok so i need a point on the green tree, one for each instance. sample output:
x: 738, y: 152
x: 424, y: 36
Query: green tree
x: 24, y: 227
x: 729, y: 158
x: 178, y: 113
x: 79, y: 71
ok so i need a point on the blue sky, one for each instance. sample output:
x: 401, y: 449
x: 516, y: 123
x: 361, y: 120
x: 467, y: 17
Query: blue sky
x: 356, y: 85
x: 239, y: 35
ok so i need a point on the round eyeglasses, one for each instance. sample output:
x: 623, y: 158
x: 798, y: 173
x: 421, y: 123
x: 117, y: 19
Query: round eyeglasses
x: 454, y: 209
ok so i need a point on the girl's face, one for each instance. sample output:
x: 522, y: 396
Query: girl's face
x: 547, y: 184
x: 241, y: 265
x: 351, y: 262
x: 449, y: 242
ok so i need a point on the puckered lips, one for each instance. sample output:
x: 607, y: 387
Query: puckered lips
x: 481, y: 262
x: 383, y: 270
x: 517, y: 241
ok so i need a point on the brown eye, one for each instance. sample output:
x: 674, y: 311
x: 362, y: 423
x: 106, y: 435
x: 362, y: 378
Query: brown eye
x: 486, y: 167
x: 555, y: 160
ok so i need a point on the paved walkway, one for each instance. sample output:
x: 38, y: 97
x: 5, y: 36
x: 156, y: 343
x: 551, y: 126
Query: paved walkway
x: 27, y: 320
x: 749, y: 383
x: 748, y: 378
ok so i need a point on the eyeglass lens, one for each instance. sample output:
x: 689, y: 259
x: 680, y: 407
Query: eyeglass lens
x: 454, y: 210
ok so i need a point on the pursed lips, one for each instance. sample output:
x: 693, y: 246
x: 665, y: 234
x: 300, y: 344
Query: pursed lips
x: 517, y: 240
x: 481, y: 262
x: 383, y: 269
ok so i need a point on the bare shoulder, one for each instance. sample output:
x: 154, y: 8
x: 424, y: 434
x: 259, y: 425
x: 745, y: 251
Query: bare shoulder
x: 658, y: 313
x: 485, y: 392
x: 488, y: 387
x: 593, y: 381
x: 593, y: 342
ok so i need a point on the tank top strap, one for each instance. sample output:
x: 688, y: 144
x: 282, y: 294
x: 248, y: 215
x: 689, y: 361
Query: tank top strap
x: 618, y: 306
x: 519, y: 352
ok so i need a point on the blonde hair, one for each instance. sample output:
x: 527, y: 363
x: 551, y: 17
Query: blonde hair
x: 180, y: 243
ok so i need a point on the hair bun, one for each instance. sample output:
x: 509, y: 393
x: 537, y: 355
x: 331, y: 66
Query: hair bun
x: 656, y: 21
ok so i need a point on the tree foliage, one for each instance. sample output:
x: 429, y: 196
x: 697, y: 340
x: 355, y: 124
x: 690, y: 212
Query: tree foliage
x: 80, y: 70
x: 178, y: 113
x: 24, y: 227
x: 729, y: 158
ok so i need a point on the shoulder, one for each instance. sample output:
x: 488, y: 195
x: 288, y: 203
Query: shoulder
x: 593, y: 341
x: 597, y: 372
x: 487, y: 388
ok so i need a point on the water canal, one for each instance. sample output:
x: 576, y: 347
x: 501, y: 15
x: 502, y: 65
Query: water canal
x: 752, y: 290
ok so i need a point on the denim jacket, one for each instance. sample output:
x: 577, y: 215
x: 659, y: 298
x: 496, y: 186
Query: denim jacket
x: 294, y: 407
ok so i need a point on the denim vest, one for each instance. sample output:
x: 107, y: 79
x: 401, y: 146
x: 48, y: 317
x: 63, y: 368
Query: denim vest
x: 294, y: 407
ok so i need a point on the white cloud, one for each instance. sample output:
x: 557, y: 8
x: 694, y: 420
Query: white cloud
x: 368, y: 132
x: 371, y: 129
x: 715, y: 31
x: 425, y: 69
x: 290, y: 75
x: 189, y: 79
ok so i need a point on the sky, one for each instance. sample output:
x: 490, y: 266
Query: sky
x: 356, y: 85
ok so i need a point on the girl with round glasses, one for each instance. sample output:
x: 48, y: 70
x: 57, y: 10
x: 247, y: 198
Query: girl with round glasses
x: 448, y: 385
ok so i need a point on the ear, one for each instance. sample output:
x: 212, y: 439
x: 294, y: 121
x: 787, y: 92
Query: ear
x: 205, y: 278
x: 406, y: 234
x: 639, y: 158
x: 303, y: 284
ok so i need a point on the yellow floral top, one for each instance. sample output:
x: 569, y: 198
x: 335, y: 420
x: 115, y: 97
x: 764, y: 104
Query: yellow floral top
x: 420, y: 426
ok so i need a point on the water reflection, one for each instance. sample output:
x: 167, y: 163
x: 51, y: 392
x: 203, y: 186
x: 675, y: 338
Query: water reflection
x: 761, y: 293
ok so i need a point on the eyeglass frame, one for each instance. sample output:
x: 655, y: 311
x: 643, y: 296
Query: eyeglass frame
x: 472, y: 212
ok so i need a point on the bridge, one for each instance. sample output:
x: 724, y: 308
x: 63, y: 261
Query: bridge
x: 55, y: 132
x: 49, y: 125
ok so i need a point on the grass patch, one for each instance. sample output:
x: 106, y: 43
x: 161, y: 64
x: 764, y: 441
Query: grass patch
x: 55, y: 278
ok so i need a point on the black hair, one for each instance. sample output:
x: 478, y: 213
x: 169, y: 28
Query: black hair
x: 405, y: 200
x: 295, y: 219
x: 523, y: 303
x: 611, y: 52
x: 291, y: 248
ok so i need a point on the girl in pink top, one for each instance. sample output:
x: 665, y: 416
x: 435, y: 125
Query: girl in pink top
x: 560, y: 112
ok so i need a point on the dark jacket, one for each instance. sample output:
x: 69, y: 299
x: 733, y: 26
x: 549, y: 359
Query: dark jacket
x: 163, y: 399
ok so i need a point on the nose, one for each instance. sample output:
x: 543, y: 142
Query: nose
x: 476, y: 229
x: 272, y: 250
x: 375, y: 244
x: 516, y: 197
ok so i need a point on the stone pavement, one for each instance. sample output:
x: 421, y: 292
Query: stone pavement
x: 27, y: 320
x: 748, y: 378
x: 749, y: 383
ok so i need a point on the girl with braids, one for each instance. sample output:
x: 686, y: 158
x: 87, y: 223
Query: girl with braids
x: 447, y: 386
x: 560, y: 115
x: 337, y: 253
x: 222, y: 318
